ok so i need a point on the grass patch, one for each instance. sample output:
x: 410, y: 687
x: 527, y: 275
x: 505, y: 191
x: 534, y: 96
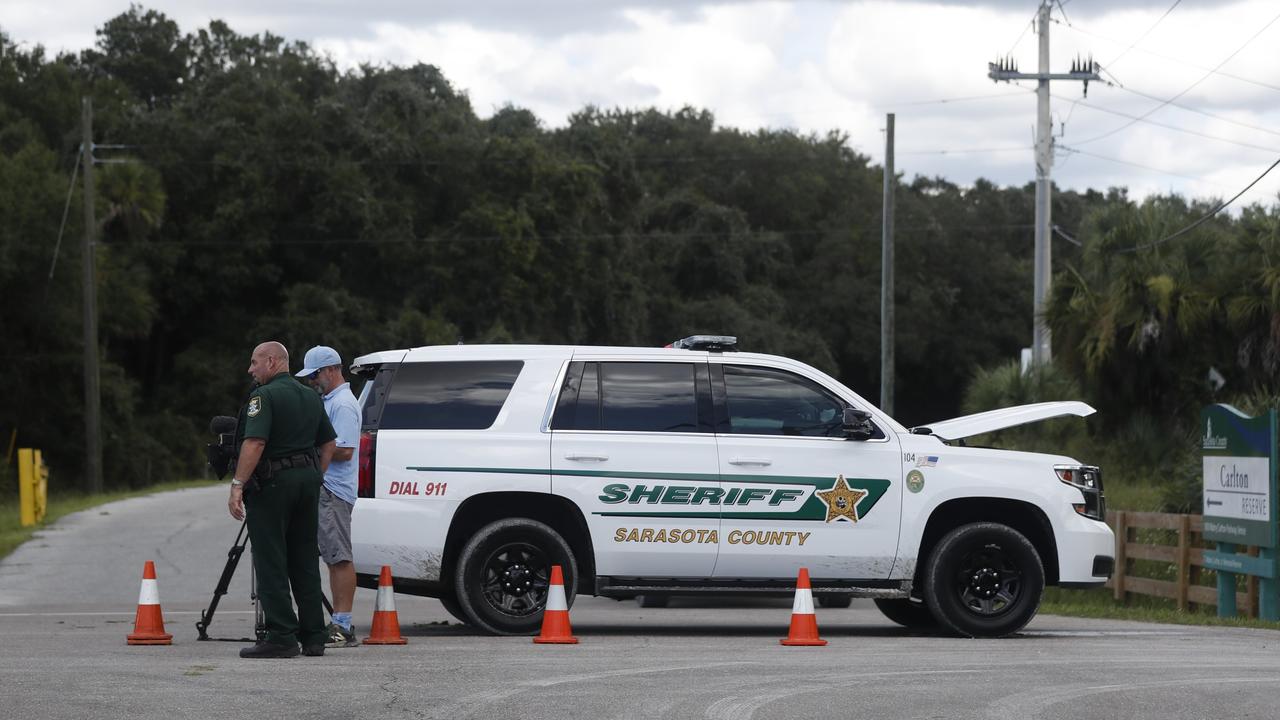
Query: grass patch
x: 12, y: 534
x: 1133, y: 496
x: 1100, y: 603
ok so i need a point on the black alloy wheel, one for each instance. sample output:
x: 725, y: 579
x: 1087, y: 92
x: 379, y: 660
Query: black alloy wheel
x: 984, y: 580
x: 504, y: 572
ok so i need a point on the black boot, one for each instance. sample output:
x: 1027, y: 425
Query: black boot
x: 269, y: 650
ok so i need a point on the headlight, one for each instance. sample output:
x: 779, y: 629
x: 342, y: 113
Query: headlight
x: 1088, y: 479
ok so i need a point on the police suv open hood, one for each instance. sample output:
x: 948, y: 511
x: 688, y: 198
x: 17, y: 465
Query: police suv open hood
x: 992, y: 420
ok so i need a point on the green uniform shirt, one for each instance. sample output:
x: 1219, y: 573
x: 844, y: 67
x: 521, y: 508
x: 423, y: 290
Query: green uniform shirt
x: 288, y: 416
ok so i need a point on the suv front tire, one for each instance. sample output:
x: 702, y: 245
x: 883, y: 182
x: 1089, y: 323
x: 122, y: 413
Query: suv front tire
x: 504, y: 571
x: 983, y: 580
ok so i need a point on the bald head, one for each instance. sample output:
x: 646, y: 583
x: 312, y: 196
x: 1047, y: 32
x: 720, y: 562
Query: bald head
x: 268, y: 360
x: 273, y: 350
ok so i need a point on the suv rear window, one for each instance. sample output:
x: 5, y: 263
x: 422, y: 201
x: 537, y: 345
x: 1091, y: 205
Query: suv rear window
x: 448, y: 395
x: 374, y: 396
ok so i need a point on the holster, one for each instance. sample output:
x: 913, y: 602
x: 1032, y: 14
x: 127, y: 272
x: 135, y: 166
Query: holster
x: 268, y: 467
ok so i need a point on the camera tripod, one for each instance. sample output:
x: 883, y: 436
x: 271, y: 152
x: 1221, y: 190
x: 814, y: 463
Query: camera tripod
x: 224, y: 582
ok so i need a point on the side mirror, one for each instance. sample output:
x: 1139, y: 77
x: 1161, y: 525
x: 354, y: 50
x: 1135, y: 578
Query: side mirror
x: 857, y: 424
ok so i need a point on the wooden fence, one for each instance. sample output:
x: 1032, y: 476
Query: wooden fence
x: 1175, y: 542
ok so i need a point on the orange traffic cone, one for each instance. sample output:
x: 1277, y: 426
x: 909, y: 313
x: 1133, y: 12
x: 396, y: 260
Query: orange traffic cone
x: 386, y: 624
x: 148, y: 624
x: 804, y: 624
x: 555, y: 617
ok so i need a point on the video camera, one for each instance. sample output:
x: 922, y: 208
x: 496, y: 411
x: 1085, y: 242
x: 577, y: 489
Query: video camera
x: 222, y: 455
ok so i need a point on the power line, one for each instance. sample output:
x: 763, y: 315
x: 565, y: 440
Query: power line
x: 564, y: 237
x: 1025, y: 29
x: 65, y: 209
x: 886, y: 105
x: 311, y: 158
x: 1144, y: 35
x: 1157, y: 123
x: 314, y: 160
x: 962, y: 98
x: 1185, y: 90
x: 1205, y: 217
x: 962, y: 151
x: 1076, y: 151
x: 1179, y: 60
x: 1198, y: 111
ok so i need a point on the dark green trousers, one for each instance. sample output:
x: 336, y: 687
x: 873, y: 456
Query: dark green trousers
x: 282, y: 517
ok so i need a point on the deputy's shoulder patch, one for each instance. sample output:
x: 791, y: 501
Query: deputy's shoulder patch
x: 255, y: 405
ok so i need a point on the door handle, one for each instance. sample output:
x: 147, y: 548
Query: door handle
x: 763, y: 462
x: 585, y: 456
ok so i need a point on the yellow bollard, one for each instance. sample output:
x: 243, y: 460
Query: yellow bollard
x: 41, y: 486
x: 26, y: 487
x: 33, y: 486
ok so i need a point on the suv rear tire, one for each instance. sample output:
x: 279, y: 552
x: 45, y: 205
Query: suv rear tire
x: 503, y: 573
x: 983, y: 580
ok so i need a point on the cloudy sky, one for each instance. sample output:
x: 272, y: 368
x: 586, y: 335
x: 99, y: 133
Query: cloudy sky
x: 821, y: 66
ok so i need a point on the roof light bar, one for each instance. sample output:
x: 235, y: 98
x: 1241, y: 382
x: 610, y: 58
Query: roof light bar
x: 709, y: 343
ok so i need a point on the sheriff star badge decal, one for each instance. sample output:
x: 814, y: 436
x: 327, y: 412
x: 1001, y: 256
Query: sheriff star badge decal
x: 842, y: 500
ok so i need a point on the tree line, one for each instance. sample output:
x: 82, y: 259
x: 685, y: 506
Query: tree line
x: 266, y: 193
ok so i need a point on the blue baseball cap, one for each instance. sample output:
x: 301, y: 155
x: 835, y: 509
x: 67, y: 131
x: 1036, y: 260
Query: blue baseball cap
x: 320, y: 356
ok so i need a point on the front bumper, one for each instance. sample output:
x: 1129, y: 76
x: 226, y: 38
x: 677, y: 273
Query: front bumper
x: 1086, y: 552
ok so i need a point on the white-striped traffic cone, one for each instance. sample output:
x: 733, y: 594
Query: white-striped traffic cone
x: 555, y: 617
x: 148, y: 624
x: 804, y: 624
x: 386, y: 624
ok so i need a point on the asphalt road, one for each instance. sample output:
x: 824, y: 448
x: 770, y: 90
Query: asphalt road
x: 67, y: 601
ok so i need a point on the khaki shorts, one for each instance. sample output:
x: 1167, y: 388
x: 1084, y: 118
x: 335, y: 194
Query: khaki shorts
x: 334, y: 532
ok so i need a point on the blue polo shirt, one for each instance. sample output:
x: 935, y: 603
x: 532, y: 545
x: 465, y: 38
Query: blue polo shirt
x: 344, y: 414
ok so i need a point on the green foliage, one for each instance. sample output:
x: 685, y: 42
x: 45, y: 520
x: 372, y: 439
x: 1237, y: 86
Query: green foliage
x: 267, y: 194
x: 1140, y: 328
x: 1007, y: 385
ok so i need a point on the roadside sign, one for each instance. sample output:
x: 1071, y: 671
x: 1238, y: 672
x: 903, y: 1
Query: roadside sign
x: 1239, y: 463
x: 1239, y: 476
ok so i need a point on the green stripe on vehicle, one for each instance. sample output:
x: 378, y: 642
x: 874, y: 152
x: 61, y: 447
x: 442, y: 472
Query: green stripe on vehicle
x: 812, y: 509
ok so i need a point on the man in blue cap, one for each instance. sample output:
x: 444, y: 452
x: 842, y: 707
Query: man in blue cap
x: 322, y: 367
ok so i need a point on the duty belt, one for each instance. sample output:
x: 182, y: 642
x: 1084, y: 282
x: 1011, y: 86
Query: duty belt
x: 307, y: 460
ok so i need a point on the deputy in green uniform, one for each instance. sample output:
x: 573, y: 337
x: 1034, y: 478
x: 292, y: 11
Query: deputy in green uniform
x: 288, y: 441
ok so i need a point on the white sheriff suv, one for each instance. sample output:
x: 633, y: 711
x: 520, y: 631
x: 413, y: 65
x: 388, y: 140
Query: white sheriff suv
x: 699, y: 469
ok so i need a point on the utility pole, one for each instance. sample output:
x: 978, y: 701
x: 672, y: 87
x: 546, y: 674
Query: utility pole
x: 92, y: 399
x: 1082, y: 70
x: 886, y: 274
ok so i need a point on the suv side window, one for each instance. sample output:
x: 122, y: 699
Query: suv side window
x: 648, y: 397
x: 635, y: 397
x: 448, y: 395
x: 765, y: 401
x: 579, y: 405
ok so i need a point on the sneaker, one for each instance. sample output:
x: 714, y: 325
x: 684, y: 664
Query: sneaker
x: 269, y: 650
x: 340, y: 637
